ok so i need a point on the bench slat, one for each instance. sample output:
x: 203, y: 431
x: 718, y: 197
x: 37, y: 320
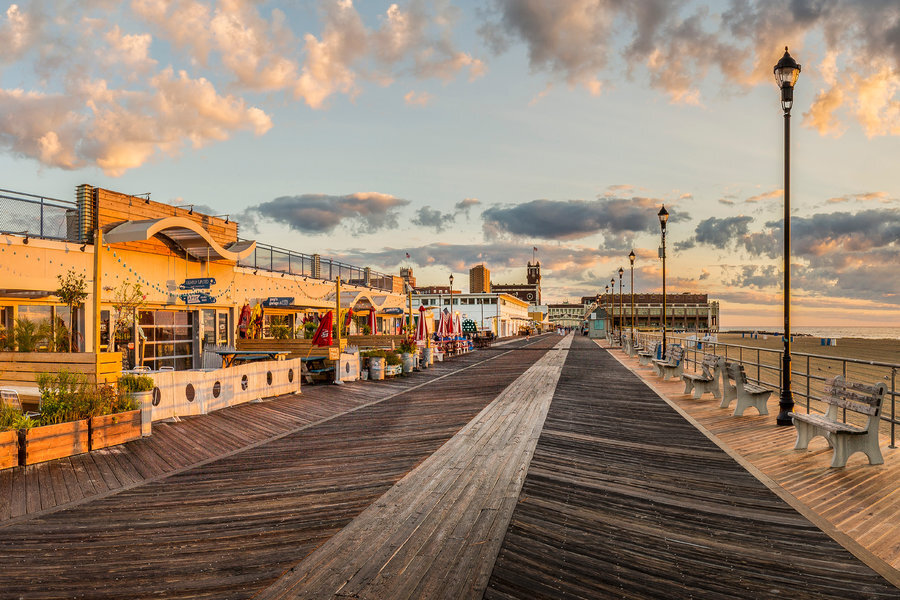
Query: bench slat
x: 828, y: 424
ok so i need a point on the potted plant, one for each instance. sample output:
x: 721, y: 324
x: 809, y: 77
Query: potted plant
x: 10, y: 420
x: 139, y: 389
x: 407, y: 351
x: 66, y: 406
x: 393, y: 364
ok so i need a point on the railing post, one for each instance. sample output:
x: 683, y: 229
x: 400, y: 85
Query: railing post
x: 808, y: 390
x: 42, y: 216
x: 893, y: 406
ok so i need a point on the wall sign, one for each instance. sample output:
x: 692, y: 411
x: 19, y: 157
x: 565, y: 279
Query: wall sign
x: 277, y: 301
x: 392, y: 311
x: 198, y: 283
x: 197, y: 298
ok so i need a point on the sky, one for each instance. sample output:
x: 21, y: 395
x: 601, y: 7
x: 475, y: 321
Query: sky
x: 467, y: 132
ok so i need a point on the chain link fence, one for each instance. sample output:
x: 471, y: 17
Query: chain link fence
x: 38, y: 216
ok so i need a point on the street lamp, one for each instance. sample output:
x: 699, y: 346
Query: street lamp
x: 612, y: 298
x: 663, y: 215
x: 631, y: 258
x: 621, y: 307
x: 786, y: 73
x: 451, y: 295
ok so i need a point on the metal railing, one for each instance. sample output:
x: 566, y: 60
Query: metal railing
x: 38, y: 216
x: 809, y: 372
x: 51, y: 218
x: 281, y: 260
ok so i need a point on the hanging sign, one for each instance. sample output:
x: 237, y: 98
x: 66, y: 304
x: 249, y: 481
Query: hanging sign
x: 198, y: 283
x: 197, y: 298
x: 392, y: 311
x: 277, y: 301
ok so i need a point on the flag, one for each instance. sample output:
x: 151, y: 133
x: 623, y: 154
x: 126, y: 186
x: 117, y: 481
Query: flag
x: 407, y: 255
x: 535, y: 248
x: 348, y: 317
x: 323, y: 333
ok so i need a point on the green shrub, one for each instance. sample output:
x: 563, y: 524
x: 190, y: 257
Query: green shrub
x: 390, y: 357
x: 24, y: 422
x: 67, y: 396
x: 29, y: 335
x: 309, y: 330
x: 8, y: 416
x: 407, y: 347
x: 131, y: 383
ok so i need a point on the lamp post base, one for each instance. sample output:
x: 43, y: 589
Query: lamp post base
x: 786, y: 402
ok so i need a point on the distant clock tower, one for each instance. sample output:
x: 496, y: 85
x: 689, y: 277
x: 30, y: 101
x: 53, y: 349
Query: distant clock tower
x: 534, y: 278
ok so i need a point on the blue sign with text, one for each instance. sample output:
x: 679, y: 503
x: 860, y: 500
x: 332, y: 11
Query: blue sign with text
x: 278, y: 301
x: 198, y: 283
x: 197, y: 298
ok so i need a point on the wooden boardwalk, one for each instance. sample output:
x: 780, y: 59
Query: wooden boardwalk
x: 437, y: 532
x: 860, y: 501
x: 421, y: 487
x: 227, y: 527
x: 626, y: 499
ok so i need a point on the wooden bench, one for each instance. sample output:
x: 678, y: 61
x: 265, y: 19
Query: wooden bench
x: 844, y: 438
x: 736, y: 386
x: 649, y: 354
x: 707, y: 380
x: 672, y: 365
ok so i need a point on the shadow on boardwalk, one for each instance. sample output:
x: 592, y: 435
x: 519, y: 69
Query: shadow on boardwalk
x: 227, y: 527
x: 625, y: 499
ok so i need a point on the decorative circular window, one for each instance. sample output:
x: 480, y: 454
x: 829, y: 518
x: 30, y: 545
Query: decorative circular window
x: 157, y: 396
x: 189, y: 392
x: 269, y: 378
x: 291, y: 375
x: 347, y: 367
x: 217, y: 389
x: 245, y: 382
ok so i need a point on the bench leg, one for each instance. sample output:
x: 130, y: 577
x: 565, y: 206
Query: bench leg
x: 688, y: 386
x: 846, y: 446
x: 806, y: 432
x: 757, y: 402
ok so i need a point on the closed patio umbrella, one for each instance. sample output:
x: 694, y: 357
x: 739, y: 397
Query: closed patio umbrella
x: 372, y: 327
x: 421, y: 329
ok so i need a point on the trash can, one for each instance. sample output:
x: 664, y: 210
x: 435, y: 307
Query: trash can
x: 428, y: 356
x: 376, y: 368
x: 408, y: 361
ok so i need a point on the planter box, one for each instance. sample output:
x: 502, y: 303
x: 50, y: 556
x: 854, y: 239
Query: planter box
x: 9, y: 449
x: 393, y: 370
x: 110, y: 430
x: 56, y: 441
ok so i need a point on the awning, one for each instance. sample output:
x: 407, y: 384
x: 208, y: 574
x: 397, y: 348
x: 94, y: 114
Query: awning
x: 184, y: 233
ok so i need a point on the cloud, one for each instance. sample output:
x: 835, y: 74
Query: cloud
x: 616, y: 218
x: 721, y: 233
x: 677, y: 45
x: 465, y: 205
x: 765, y: 196
x: 365, y: 212
x: 882, y: 197
x: 435, y: 219
x: 418, y: 99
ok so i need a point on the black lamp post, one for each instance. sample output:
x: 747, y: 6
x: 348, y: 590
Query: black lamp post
x: 663, y: 215
x: 631, y: 258
x: 621, y: 309
x: 612, y: 298
x: 606, y: 298
x: 786, y: 73
x: 451, y: 295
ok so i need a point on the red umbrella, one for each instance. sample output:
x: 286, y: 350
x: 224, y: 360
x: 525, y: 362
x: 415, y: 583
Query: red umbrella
x: 372, y: 326
x: 421, y: 328
x: 322, y: 336
x: 457, y: 325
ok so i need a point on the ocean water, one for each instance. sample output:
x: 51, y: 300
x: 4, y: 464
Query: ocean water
x: 871, y: 333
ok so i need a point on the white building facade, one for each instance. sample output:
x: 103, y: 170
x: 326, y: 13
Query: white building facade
x: 501, y: 313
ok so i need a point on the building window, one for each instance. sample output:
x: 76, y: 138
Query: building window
x: 170, y: 338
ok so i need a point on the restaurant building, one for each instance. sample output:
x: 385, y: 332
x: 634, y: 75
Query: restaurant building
x: 196, y: 276
x: 501, y: 313
x: 684, y: 312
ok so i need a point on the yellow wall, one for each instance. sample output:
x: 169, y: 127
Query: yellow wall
x: 35, y: 266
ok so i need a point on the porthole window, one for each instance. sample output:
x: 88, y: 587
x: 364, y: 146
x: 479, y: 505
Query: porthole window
x: 217, y: 389
x: 157, y: 396
x: 290, y: 375
x: 245, y: 382
x: 189, y: 392
x: 269, y: 378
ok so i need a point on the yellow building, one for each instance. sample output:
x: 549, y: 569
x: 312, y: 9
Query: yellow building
x: 194, y: 273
